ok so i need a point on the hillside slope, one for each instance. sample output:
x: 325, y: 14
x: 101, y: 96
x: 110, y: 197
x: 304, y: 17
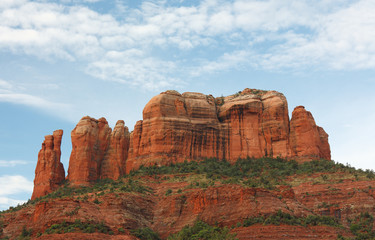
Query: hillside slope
x: 253, y: 198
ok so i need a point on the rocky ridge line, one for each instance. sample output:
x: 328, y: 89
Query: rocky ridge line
x: 178, y: 127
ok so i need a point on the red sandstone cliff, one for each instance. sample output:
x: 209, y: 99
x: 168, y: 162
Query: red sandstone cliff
x: 113, y: 164
x: 306, y: 138
x: 90, y: 140
x: 97, y: 151
x: 252, y: 123
x: 224, y: 204
x: 192, y: 126
x: 49, y: 171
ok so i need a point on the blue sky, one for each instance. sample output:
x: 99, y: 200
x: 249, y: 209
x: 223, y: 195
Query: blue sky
x: 61, y: 60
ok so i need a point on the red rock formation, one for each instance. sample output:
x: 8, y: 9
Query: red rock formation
x: 113, y: 164
x: 252, y: 123
x: 275, y: 124
x: 175, y: 128
x: 49, y: 172
x: 308, y: 141
x: 258, y: 124
x: 192, y: 126
x: 90, y: 140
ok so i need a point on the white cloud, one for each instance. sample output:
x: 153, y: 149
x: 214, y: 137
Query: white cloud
x: 12, y: 163
x: 133, y: 68
x: 273, y: 34
x: 234, y: 60
x: 14, y: 184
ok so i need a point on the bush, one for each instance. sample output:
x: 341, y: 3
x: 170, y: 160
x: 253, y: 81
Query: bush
x: 202, y: 231
x: 78, y: 226
x: 26, y: 232
x: 262, y: 172
x: 285, y: 218
x: 362, y: 226
x: 169, y: 191
x: 145, y: 234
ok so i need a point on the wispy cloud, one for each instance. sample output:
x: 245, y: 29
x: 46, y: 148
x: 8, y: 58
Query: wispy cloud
x: 13, y: 93
x: 12, y: 163
x: 268, y: 34
x: 132, y: 67
x: 30, y: 100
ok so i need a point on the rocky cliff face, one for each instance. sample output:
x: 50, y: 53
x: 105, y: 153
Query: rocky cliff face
x: 90, y: 140
x: 308, y: 141
x: 49, y: 172
x: 113, y: 164
x: 191, y: 126
x: 252, y: 123
x: 98, y: 152
x: 224, y: 204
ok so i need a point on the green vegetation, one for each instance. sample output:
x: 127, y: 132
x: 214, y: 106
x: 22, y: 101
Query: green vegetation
x: 362, y: 226
x: 285, y: 218
x: 262, y: 172
x: 78, y: 226
x: 1, y: 228
x: 73, y: 212
x: 220, y: 101
x: 1, y: 231
x: 145, y: 234
x: 25, y: 234
x: 202, y: 231
x: 169, y: 192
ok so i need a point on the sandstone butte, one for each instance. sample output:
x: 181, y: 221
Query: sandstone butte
x: 192, y: 126
x: 183, y: 127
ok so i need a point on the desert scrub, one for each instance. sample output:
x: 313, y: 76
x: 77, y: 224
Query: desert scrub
x: 73, y: 212
x: 25, y: 233
x: 78, y: 226
x: 168, y: 192
x: 145, y: 234
x: 362, y: 226
x: 203, y: 231
x: 263, y: 172
x: 287, y: 219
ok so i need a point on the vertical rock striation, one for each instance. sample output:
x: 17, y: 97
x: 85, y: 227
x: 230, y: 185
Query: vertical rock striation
x: 113, y: 164
x: 49, y: 172
x: 177, y: 127
x: 90, y: 140
x: 97, y: 151
x: 252, y: 123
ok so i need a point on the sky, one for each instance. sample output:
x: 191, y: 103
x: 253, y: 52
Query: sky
x: 64, y: 59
